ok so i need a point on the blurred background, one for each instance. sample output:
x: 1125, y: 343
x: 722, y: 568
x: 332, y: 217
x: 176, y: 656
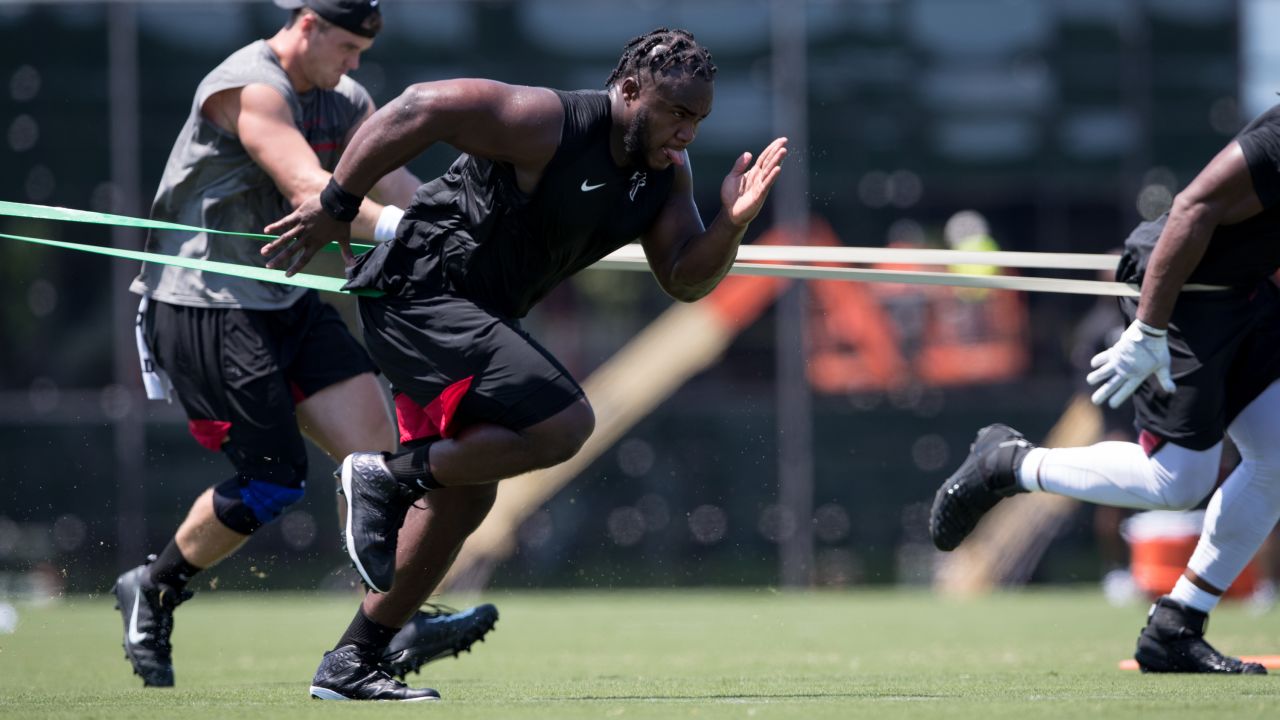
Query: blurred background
x: 807, y: 451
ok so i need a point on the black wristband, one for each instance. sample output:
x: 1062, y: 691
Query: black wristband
x: 340, y: 204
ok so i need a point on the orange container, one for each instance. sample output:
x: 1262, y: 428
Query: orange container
x: 1161, y: 543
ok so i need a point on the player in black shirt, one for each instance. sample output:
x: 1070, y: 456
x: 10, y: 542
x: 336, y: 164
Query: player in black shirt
x: 548, y: 183
x: 1215, y: 354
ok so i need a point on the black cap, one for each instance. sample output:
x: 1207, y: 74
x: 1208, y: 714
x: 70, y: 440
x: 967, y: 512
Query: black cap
x: 362, y: 17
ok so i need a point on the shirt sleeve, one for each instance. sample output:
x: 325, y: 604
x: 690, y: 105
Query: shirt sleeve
x: 1261, y: 145
x: 359, y: 101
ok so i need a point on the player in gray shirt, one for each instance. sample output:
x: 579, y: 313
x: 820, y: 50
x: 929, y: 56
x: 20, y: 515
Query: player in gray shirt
x: 257, y: 365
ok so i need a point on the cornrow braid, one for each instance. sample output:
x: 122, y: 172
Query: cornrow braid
x: 676, y: 52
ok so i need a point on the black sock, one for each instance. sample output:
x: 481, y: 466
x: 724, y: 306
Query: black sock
x: 413, y: 468
x: 171, y: 569
x: 369, y: 637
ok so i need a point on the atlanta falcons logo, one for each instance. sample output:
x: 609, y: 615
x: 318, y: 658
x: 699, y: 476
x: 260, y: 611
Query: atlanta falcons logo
x: 637, y: 182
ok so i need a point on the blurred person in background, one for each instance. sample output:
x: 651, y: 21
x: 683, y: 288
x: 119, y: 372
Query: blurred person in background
x: 1215, y: 357
x: 258, y: 365
x: 975, y: 335
x: 548, y: 183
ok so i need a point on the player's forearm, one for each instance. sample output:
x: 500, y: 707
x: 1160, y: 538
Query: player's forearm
x: 705, y: 259
x: 1181, y: 245
x: 305, y: 186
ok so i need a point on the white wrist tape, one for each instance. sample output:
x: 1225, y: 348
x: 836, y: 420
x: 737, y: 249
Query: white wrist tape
x: 388, y: 221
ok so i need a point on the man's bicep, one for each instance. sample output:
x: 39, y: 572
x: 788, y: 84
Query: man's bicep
x: 508, y: 123
x: 1227, y: 186
x: 267, y: 132
x: 1260, y: 148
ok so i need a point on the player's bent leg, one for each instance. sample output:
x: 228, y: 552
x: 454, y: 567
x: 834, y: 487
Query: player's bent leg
x: 1123, y: 474
x: 487, y: 453
x: 1243, y: 512
x: 429, y: 541
x: 204, y: 539
x: 348, y: 416
x: 351, y: 416
x: 988, y: 475
x: 379, y: 490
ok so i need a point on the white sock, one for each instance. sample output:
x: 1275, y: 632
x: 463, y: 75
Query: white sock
x: 1185, y: 592
x: 1030, y: 468
x: 1121, y: 474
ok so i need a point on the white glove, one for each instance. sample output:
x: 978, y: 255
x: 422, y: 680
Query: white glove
x: 388, y: 221
x: 1122, y: 368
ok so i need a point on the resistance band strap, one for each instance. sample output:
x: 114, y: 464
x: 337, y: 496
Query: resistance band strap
x: 905, y: 256
x: 920, y: 277
x: 61, y: 214
x: 314, y: 282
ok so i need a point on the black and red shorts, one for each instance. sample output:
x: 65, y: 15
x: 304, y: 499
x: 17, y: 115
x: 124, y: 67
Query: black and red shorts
x: 1225, y: 350
x: 240, y: 373
x: 452, y: 364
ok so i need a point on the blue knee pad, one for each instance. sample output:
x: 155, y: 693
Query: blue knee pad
x: 245, y: 504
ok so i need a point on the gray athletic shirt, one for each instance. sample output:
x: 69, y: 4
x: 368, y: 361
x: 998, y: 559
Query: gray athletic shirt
x: 211, y: 181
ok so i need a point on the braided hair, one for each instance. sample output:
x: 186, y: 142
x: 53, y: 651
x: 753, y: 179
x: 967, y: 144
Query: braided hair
x: 664, y: 51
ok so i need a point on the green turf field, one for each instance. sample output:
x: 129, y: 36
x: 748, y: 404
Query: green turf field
x: 738, y: 654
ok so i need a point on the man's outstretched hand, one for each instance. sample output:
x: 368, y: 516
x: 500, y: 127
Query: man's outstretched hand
x: 746, y: 186
x: 303, y: 233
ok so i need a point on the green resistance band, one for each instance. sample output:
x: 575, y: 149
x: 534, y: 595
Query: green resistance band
x: 314, y: 282
x: 61, y: 214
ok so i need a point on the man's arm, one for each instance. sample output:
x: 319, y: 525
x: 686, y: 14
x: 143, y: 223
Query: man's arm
x: 689, y: 260
x: 506, y: 123
x: 396, y: 187
x: 264, y: 123
x: 1222, y: 194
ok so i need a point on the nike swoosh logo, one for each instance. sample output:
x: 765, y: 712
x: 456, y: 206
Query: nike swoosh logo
x: 134, y: 636
x: 589, y: 188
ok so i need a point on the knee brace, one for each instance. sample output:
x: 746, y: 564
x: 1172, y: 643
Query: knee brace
x: 245, y: 503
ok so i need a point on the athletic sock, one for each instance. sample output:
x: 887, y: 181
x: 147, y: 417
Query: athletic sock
x: 1187, y: 593
x: 369, y: 637
x: 1029, y: 470
x: 413, y: 468
x: 170, y: 568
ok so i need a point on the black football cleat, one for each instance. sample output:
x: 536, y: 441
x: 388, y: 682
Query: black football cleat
x: 1173, y: 642
x: 147, y: 611
x: 438, y: 633
x: 376, y: 506
x: 346, y: 674
x: 986, y: 477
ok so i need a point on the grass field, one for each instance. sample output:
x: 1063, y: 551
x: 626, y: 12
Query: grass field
x: 706, y: 654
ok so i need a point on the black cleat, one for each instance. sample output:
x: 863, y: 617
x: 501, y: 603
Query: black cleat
x: 1173, y: 642
x: 376, y: 506
x: 345, y: 674
x: 441, y: 632
x: 147, y: 610
x: 986, y: 477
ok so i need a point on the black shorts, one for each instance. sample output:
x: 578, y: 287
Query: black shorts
x: 240, y: 373
x: 1225, y: 350
x: 452, y: 363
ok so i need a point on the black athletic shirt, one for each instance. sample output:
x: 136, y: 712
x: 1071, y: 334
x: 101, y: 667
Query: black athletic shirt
x: 475, y: 234
x: 1239, y: 255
